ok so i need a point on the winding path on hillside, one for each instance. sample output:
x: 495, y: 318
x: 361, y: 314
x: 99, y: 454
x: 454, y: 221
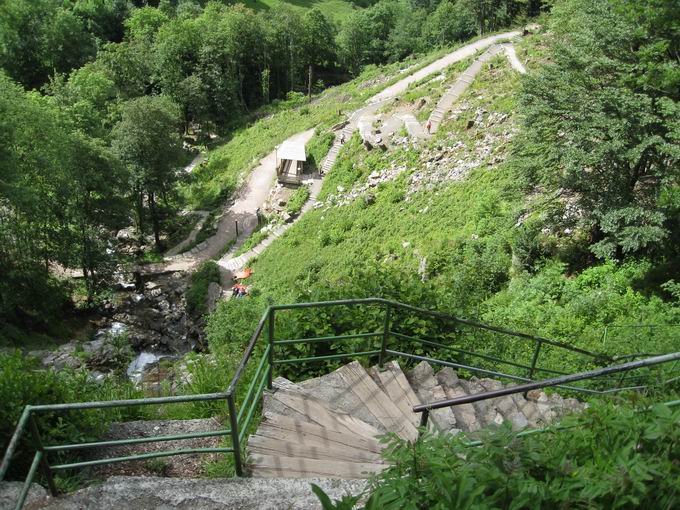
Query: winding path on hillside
x: 255, y: 192
x: 466, y: 79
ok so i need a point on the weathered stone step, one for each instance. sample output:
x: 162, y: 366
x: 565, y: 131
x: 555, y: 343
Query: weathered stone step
x: 275, y: 425
x: 428, y: 390
x: 292, y: 445
x: 394, y: 383
x: 264, y: 466
x: 298, y: 403
x: 327, y: 426
x: 378, y: 403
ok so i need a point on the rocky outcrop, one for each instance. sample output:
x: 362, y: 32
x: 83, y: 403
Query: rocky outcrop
x: 156, y: 318
x: 9, y: 494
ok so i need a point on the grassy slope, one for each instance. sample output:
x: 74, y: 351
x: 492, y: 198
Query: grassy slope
x: 485, y: 204
x: 466, y: 230
x: 337, y: 10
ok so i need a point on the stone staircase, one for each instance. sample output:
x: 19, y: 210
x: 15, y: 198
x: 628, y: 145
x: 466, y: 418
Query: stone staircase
x: 327, y: 427
x: 459, y: 86
x: 332, y: 155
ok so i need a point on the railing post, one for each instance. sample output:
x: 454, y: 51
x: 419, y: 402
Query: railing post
x: 235, y: 441
x: 44, y: 464
x: 270, y: 341
x: 385, y: 335
x: 424, y: 416
x: 534, y: 360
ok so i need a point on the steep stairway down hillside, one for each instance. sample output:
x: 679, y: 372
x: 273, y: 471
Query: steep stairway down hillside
x: 328, y: 427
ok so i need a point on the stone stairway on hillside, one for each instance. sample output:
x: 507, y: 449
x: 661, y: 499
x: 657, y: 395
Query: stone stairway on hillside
x: 459, y: 86
x: 328, y: 427
x: 332, y: 155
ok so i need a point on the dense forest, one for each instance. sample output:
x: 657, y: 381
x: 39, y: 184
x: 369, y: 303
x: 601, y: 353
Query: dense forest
x: 97, y: 97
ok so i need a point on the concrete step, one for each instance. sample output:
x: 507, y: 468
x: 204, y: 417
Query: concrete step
x: 203, y: 494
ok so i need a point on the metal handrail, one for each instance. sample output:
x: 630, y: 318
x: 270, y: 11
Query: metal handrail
x: 239, y: 422
x: 555, y: 381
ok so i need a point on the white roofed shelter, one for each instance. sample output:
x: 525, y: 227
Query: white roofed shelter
x: 290, y: 159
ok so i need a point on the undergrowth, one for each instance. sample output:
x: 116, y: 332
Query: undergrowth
x: 608, y: 456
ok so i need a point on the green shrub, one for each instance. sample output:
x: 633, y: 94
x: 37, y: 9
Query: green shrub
x: 197, y: 293
x: 609, y: 457
x: 317, y: 148
x: 23, y: 382
x: 297, y: 200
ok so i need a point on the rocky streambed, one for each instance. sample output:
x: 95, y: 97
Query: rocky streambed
x: 143, y: 328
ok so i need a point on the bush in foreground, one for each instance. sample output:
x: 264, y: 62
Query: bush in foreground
x: 610, y: 456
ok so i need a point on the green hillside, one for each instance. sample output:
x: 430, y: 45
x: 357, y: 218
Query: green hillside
x: 337, y: 10
x: 473, y: 244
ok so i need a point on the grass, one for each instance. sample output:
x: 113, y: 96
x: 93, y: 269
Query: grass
x: 208, y: 230
x: 256, y: 237
x: 336, y: 10
x: 317, y: 148
x: 454, y: 242
x: 73, y: 325
x: 297, y: 200
x: 197, y: 293
x: 329, y: 242
x: 180, y: 228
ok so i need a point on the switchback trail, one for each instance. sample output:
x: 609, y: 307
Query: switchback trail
x: 255, y: 192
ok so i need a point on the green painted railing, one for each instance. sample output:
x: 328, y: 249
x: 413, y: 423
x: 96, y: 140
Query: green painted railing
x: 389, y: 336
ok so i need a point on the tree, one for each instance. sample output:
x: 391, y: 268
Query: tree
x: 317, y: 43
x: 176, y: 55
x: 38, y: 38
x: 405, y: 38
x: 147, y: 141
x: 601, y: 122
x: 88, y: 98
x: 449, y: 23
x: 97, y: 209
x: 353, y: 40
x: 66, y: 43
x: 129, y: 66
x: 143, y: 23
x: 493, y: 14
x: 282, y: 29
x: 103, y: 18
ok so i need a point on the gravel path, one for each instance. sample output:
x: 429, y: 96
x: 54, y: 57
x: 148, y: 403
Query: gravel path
x: 512, y: 57
x: 441, y: 64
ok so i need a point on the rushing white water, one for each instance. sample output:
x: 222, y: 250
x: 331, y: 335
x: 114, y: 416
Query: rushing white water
x: 115, y: 329
x: 135, y: 370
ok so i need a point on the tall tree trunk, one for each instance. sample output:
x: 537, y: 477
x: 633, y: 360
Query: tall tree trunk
x: 309, y: 83
x: 154, y: 220
x: 139, y: 205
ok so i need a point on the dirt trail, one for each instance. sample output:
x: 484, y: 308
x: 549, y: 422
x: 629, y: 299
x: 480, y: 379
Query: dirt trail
x: 441, y: 64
